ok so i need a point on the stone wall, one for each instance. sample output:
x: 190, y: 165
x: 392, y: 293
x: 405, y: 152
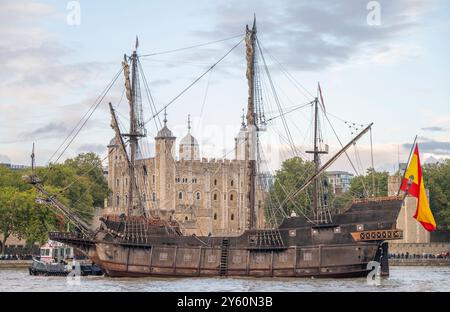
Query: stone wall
x: 419, y: 248
x: 204, y: 196
x: 413, y: 231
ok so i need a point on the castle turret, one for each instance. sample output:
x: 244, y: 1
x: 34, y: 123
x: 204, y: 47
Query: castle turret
x: 165, y: 167
x: 189, y: 148
x: 240, y: 142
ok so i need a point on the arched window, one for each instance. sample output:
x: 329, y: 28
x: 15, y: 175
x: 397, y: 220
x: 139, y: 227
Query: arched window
x: 126, y: 199
x: 117, y: 182
x: 143, y: 197
x: 232, y: 217
x: 215, y: 182
x: 154, y: 196
x: 117, y: 200
x: 215, y: 216
x: 197, y: 195
x: 232, y: 182
x: 215, y: 196
x: 186, y: 218
x: 180, y: 195
x: 231, y: 197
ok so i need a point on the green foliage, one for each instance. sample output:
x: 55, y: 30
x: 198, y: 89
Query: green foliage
x: 293, y: 174
x: 75, y: 188
x: 22, y: 217
x: 78, y: 183
x: 342, y: 202
x: 437, y: 180
x: 14, y: 178
x: 90, y: 165
x: 372, y: 184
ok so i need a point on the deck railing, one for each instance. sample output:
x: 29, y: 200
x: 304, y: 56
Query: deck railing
x: 376, y: 199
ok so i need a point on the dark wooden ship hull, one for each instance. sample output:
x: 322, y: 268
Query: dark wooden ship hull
x: 297, y: 248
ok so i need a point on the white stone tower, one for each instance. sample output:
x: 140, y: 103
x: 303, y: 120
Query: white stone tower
x: 165, y: 168
x: 241, y: 150
x: 189, y: 148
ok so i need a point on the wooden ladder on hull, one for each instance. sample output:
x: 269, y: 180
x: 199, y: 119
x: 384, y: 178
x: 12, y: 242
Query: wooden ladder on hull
x: 224, y: 257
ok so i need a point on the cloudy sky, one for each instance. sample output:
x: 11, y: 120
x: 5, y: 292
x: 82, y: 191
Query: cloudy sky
x: 377, y: 61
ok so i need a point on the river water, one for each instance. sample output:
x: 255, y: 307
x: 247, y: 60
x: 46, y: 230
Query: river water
x: 401, y: 279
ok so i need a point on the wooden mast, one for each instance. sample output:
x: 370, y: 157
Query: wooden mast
x: 250, y: 39
x: 317, y: 209
x: 131, y: 90
x: 326, y: 165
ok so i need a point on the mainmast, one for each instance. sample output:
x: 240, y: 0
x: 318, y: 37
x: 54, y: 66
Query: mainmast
x: 250, y: 40
x: 136, y: 127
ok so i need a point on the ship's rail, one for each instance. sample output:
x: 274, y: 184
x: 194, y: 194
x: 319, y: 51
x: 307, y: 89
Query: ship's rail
x: 70, y: 237
x: 376, y: 199
x: 266, y: 239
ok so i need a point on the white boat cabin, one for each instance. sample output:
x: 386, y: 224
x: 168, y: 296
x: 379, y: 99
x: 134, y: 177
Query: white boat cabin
x: 55, y: 252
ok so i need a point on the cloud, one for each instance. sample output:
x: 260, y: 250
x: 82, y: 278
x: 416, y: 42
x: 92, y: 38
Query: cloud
x: 427, y: 145
x: 4, y: 159
x: 159, y: 82
x: 49, y: 130
x: 92, y: 147
x: 436, y: 129
x: 36, y: 70
x: 311, y: 35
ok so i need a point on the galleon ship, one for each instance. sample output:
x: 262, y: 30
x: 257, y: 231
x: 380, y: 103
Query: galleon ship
x: 323, y: 244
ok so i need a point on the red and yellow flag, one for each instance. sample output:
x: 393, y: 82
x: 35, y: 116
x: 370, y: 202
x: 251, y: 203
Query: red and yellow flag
x: 416, y: 188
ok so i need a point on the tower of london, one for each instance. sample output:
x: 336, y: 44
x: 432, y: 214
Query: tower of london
x: 205, y: 196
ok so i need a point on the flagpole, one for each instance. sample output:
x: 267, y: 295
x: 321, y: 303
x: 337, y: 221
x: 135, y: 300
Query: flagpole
x: 409, y: 158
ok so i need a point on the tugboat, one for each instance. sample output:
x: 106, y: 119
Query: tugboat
x: 322, y: 244
x: 57, y: 259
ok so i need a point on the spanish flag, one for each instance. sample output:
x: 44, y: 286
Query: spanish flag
x: 413, y: 184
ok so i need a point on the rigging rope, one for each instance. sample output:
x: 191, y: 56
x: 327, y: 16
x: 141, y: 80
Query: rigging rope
x: 194, y: 82
x: 190, y: 47
x: 297, y: 84
x: 151, y: 102
x: 206, y: 93
x: 288, y: 133
x: 289, y: 111
x: 342, y: 146
x: 93, y: 107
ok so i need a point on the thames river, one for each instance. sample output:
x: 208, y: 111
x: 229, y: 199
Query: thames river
x: 401, y: 279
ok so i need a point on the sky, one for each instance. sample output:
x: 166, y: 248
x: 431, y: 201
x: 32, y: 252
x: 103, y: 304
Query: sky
x: 384, y: 62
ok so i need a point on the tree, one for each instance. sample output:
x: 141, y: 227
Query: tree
x: 372, y: 184
x: 14, y: 178
x: 22, y: 217
x: 79, y: 184
x: 293, y: 174
x: 437, y: 180
x: 41, y: 218
x: 90, y: 165
x: 71, y: 186
x: 11, y: 214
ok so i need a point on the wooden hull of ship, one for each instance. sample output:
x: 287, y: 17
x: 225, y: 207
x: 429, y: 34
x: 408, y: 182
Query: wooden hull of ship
x: 296, y: 248
x: 309, y: 261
